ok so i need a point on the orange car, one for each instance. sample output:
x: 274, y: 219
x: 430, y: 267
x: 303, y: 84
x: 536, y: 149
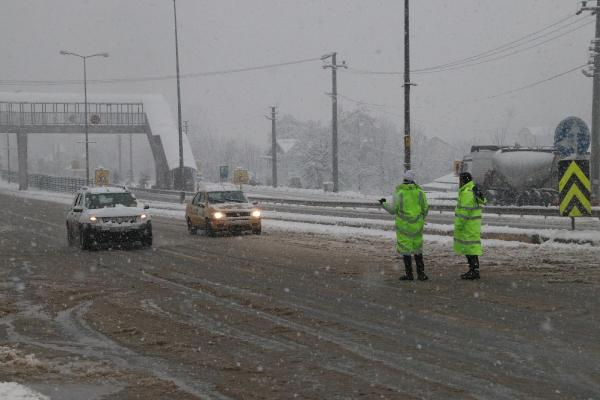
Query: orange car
x: 219, y: 208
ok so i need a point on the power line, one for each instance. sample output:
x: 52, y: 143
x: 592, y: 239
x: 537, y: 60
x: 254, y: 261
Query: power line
x: 470, y: 61
x: 515, y: 90
x: 154, y: 78
x: 506, y: 55
x: 550, y: 78
x: 510, y: 45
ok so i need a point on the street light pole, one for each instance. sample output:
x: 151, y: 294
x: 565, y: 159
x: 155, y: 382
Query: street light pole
x: 179, y: 127
x: 87, y: 151
x: 87, y: 142
x: 8, y: 155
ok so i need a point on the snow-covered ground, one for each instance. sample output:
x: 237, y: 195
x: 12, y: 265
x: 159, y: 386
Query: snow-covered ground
x: 15, y: 391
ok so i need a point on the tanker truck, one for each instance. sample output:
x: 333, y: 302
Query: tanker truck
x: 515, y: 175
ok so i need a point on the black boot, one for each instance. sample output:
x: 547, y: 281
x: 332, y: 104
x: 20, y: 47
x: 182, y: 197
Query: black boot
x: 473, y: 272
x: 420, y: 267
x: 408, y: 268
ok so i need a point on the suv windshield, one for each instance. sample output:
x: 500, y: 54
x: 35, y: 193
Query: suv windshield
x: 103, y: 200
x: 222, y: 197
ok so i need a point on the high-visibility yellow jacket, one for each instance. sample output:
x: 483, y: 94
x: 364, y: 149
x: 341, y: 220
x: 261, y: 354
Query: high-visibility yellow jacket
x: 467, y: 221
x: 410, y: 208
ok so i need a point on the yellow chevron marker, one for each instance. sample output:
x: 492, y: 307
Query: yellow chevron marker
x: 574, y: 192
x: 574, y: 170
x: 574, y: 187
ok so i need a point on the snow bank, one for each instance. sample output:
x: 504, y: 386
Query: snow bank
x: 15, y: 391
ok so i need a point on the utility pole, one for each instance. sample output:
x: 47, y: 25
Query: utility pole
x: 334, y: 114
x: 273, y: 147
x: 181, y: 176
x: 407, y: 85
x: 593, y: 71
x: 185, y: 127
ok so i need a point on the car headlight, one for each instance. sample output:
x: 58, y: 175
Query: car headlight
x: 143, y: 216
x: 218, y: 215
x: 256, y: 213
x: 93, y: 218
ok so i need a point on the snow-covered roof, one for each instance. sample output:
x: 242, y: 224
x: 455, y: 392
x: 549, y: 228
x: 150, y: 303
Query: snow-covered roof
x: 106, y: 189
x: 446, y: 183
x: 538, y: 130
x: 157, y: 111
x: 284, y: 146
x: 217, y: 187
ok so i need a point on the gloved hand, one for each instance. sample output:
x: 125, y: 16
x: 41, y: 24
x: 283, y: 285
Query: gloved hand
x: 381, y: 201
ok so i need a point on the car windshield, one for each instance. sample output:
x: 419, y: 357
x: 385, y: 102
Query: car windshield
x: 223, y: 197
x: 103, y: 200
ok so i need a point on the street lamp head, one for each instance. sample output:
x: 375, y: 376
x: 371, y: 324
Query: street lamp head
x: 64, y: 52
x: 104, y: 55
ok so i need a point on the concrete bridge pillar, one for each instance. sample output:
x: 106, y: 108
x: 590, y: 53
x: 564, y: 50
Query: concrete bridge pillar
x: 22, y: 159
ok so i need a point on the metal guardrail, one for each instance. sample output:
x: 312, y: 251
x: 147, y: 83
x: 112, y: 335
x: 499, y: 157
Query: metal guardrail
x: 13, y: 175
x: 499, y: 210
x: 55, y: 183
x: 71, y: 185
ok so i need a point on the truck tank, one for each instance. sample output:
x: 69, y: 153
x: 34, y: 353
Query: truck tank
x: 524, y: 169
x: 514, y: 175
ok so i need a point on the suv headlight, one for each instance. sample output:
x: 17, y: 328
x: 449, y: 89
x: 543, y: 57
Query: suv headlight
x: 93, y: 218
x: 144, y: 217
x: 218, y: 215
x: 256, y: 213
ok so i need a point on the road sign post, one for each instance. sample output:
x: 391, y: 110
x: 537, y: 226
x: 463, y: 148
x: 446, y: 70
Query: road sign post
x: 574, y: 189
x: 101, y: 177
x: 223, y: 173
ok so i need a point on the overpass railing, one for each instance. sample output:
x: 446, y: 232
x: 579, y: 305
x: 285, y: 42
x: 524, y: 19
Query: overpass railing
x: 23, y: 114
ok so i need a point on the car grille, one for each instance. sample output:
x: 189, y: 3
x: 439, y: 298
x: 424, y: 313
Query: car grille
x: 120, y: 220
x: 237, y: 214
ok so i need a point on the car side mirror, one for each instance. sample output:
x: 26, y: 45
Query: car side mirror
x: 77, y: 209
x: 255, y: 203
x: 146, y: 206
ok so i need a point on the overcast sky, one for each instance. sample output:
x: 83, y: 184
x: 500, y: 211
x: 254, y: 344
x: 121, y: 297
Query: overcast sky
x: 368, y: 34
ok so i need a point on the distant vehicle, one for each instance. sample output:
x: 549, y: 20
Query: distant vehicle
x: 222, y: 208
x: 107, y: 214
x: 515, y: 175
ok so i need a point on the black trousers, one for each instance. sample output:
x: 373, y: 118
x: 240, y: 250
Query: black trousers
x: 473, y: 262
x: 418, y: 260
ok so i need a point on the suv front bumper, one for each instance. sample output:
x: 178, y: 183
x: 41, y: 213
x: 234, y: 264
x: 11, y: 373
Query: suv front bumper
x: 99, y: 233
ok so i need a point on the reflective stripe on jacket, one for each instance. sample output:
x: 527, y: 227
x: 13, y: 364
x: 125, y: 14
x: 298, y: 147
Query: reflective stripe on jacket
x: 410, y: 208
x: 467, y: 222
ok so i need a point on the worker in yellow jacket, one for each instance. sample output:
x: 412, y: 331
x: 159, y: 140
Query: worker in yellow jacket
x: 410, y: 208
x: 467, y: 224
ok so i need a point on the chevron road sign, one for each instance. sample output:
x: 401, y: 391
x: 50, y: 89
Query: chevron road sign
x: 574, y: 188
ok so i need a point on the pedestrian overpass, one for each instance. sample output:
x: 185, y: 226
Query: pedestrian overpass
x: 42, y: 113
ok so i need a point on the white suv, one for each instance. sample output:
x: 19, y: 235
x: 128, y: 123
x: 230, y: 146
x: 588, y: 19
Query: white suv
x: 107, y: 214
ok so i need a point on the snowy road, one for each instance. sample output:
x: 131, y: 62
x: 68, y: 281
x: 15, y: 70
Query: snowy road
x: 289, y: 315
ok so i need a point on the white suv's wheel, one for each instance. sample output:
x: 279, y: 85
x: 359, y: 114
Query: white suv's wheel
x: 70, y: 240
